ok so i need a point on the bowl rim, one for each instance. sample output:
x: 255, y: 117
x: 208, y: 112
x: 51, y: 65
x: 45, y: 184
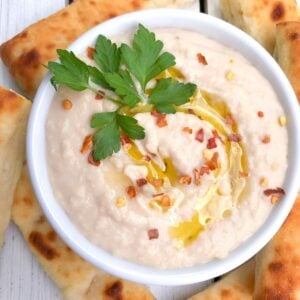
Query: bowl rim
x: 37, y: 166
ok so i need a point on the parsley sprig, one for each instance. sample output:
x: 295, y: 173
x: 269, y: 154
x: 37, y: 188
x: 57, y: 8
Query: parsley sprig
x: 124, y: 72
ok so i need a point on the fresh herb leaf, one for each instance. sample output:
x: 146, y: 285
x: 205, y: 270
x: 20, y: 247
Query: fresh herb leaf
x: 97, y: 77
x: 106, y: 141
x: 100, y: 120
x: 144, y: 60
x: 107, y: 138
x: 168, y: 93
x: 72, y: 71
x: 124, y: 87
x: 130, y: 126
x: 107, y: 55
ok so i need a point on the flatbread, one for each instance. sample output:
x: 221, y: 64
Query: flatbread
x: 287, y: 52
x: 278, y: 264
x: 77, y: 279
x: 26, y: 53
x: 14, y: 110
x: 259, y: 17
x: 237, y: 285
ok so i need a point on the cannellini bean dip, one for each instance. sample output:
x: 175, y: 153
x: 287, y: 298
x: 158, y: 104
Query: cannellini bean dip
x: 201, y: 182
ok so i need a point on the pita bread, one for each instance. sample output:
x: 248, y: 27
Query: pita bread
x: 77, y: 279
x: 14, y: 110
x: 259, y: 18
x: 237, y: 285
x: 287, y: 52
x: 26, y: 53
x: 278, y: 264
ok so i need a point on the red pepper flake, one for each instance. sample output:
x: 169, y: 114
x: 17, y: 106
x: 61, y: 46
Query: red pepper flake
x: 269, y: 192
x: 87, y: 143
x: 213, y: 162
x: 204, y: 170
x: 229, y: 119
x: 211, y: 143
x: 191, y: 111
x: 155, y: 113
x: 157, y: 182
x: 199, y: 136
x: 90, y: 52
x: 125, y: 139
x: 92, y: 161
x: 201, y: 59
x: 185, y: 179
x: 131, y: 192
x: 217, y: 136
x: 161, y: 121
x: 141, y: 181
x: 266, y: 139
x: 197, y: 176
x: 100, y: 97
x: 234, y: 137
x: 260, y: 114
x: 187, y: 130
x: 243, y: 174
x: 157, y: 195
x: 153, y: 234
x: 147, y: 158
x: 160, y: 118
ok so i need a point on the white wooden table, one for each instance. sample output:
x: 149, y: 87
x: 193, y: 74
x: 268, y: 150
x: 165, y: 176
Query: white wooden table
x: 21, y: 277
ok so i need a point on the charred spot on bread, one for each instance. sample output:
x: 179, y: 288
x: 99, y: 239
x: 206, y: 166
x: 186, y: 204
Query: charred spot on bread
x: 294, y: 36
x: 276, y: 267
x: 39, y: 242
x: 115, y: 290
x: 32, y: 57
x: 277, y: 12
x: 28, y: 201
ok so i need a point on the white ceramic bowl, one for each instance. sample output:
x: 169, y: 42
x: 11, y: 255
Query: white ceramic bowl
x: 215, y: 29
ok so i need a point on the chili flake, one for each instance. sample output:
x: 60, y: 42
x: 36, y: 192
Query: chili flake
x: 211, y: 143
x: 187, y: 130
x: 131, y: 192
x: 229, y: 119
x: 266, y: 139
x: 270, y: 192
x: 153, y: 234
x: 217, y: 136
x: 201, y: 59
x: 161, y: 121
x: 197, y: 176
x: 90, y: 52
x: 157, y: 182
x: 165, y: 201
x: 99, y: 96
x: 233, y: 137
x: 141, y: 181
x: 213, y: 162
x: 92, y: 161
x: 260, y: 114
x: 67, y: 104
x: 87, y: 143
x: 185, y: 179
x: 199, y: 136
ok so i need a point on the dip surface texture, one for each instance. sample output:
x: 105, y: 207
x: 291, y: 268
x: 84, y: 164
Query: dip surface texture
x: 145, y: 228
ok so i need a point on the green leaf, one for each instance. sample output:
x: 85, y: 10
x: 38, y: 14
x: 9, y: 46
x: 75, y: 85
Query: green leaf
x: 97, y: 77
x: 144, y: 60
x: 100, y: 120
x: 71, y: 71
x: 168, y: 93
x: 130, y: 126
x: 106, y: 141
x: 124, y: 87
x: 107, y: 55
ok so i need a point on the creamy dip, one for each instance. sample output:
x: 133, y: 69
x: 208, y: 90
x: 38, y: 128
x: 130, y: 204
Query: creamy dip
x: 199, y: 220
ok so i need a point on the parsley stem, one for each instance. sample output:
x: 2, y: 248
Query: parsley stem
x: 116, y: 101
